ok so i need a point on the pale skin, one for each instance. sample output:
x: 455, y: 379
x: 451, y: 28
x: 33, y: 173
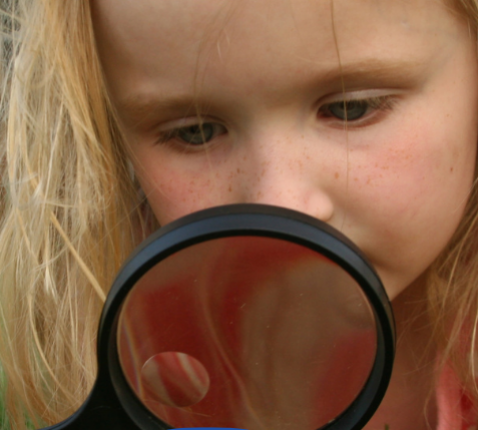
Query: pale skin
x: 268, y: 79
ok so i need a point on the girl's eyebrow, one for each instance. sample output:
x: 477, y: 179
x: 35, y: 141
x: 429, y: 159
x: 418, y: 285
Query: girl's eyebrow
x: 138, y: 108
x: 376, y: 72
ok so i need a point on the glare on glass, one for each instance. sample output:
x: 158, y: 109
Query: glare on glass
x: 247, y: 332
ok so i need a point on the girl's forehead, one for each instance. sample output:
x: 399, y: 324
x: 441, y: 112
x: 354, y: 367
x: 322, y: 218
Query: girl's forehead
x: 145, y: 42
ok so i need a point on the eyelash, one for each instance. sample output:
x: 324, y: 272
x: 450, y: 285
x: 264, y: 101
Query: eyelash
x: 197, y: 131
x: 371, y: 106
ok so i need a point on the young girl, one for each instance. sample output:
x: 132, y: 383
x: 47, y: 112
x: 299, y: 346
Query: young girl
x: 363, y: 114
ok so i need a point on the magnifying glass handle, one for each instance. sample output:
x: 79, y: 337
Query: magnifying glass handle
x: 104, y: 417
x: 110, y: 415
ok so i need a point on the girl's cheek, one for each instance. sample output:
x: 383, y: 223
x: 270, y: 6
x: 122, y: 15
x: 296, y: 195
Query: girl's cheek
x: 406, y: 200
x: 173, y: 193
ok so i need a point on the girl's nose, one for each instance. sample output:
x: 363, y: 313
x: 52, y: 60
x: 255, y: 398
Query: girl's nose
x: 286, y: 176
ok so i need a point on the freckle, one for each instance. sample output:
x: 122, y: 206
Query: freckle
x: 356, y: 179
x: 337, y: 176
x: 230, y: 189
x: 451, y: 169
x: 368, y: 180
x: 238, y: 170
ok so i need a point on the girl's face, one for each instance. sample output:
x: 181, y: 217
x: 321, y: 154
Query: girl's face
x: 232, y: 102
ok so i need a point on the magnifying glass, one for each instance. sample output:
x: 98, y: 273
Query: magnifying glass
x: 242, y: 316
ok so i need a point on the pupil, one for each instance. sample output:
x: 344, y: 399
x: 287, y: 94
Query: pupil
x: 196, y: 134
x: 349, y: 110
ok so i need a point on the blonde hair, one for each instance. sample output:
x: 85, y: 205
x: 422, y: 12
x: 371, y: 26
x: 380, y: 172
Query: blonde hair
x: 67, y: 207
x: 452, y: 287
x: 69, y: 216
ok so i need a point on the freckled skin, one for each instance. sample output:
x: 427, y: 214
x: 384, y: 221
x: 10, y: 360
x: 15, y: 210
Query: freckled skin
x: 397, y: 186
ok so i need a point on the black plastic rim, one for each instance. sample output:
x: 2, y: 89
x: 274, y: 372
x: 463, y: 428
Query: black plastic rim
x: 113, y: 402
x: 266, y: 221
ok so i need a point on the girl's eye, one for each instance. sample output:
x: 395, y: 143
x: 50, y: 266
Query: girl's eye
x: 353, y: 110
x: 194, y: 135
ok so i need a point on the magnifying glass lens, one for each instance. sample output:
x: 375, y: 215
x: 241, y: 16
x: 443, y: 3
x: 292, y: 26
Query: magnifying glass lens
x: 247, y: 332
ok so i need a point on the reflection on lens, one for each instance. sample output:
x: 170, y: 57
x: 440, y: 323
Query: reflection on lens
x: 174, y: 379
x: 286, y: 335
